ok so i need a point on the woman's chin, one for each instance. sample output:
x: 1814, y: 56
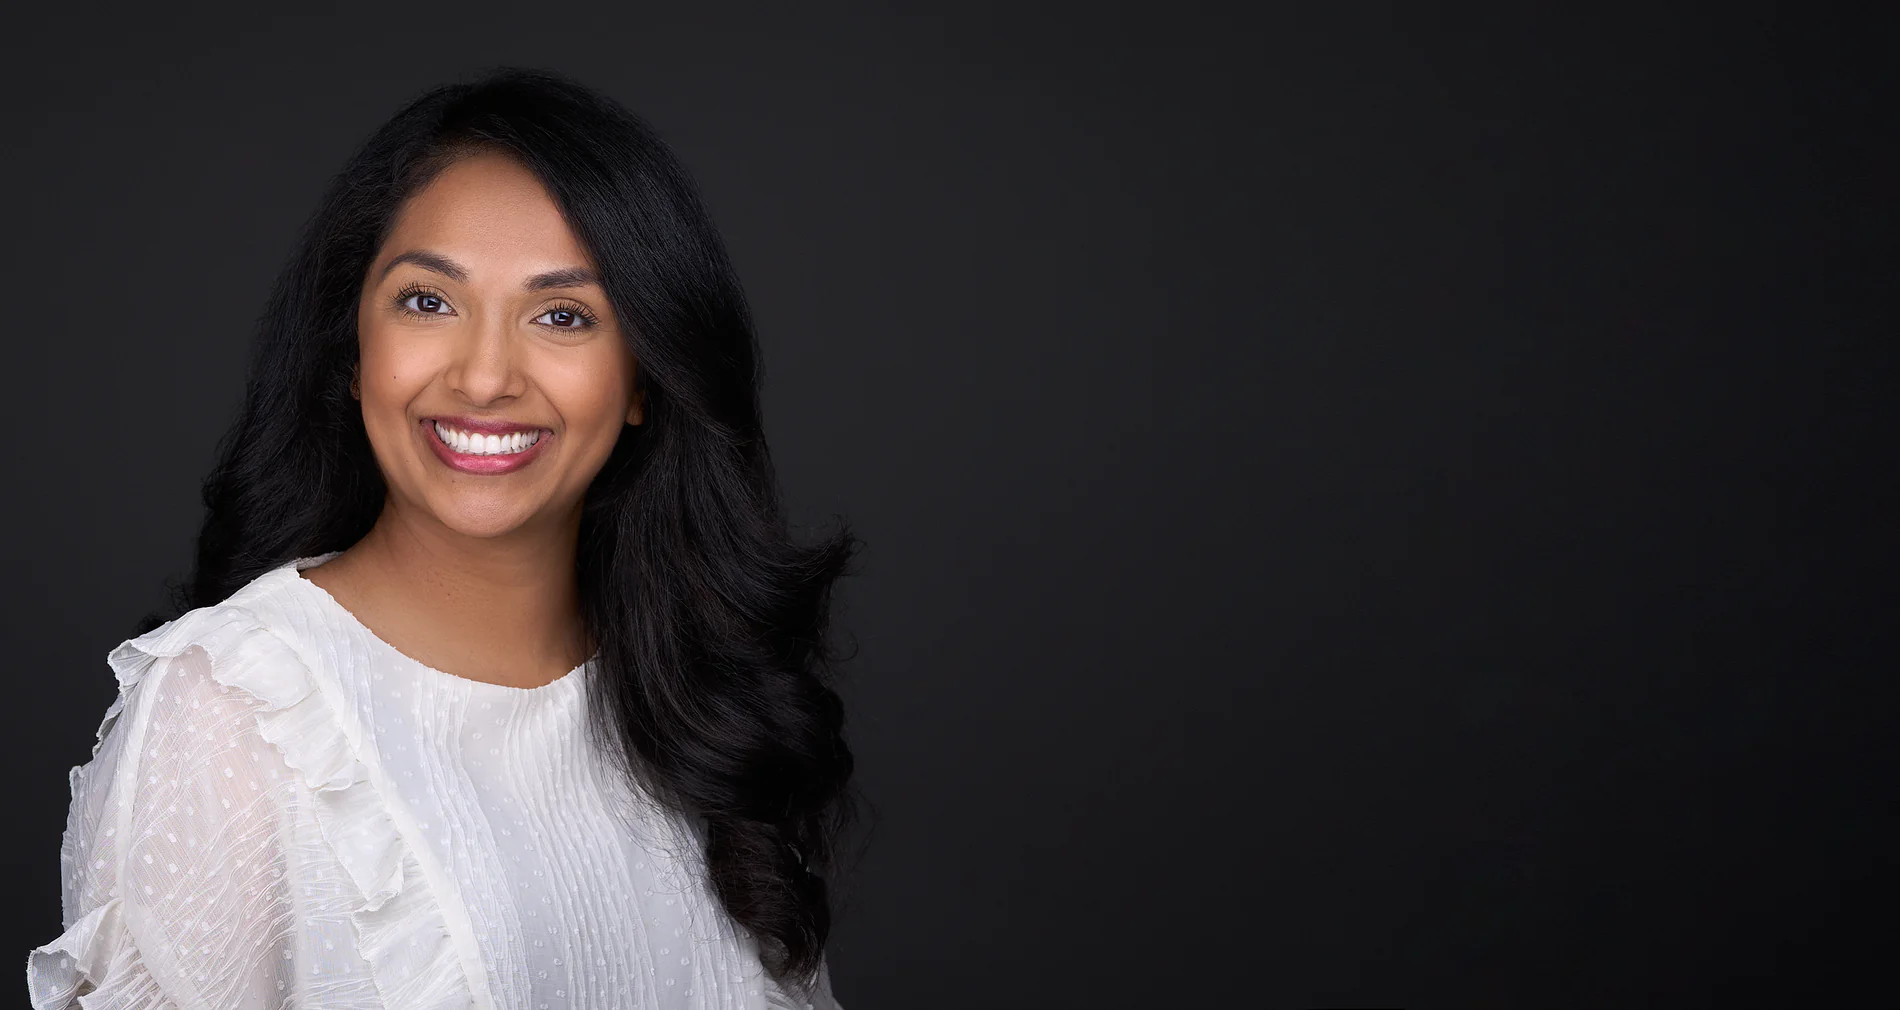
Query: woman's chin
x: 483, y: 519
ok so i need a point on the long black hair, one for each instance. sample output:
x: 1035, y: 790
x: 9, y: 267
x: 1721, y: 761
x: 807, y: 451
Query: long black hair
x: 710, y: 620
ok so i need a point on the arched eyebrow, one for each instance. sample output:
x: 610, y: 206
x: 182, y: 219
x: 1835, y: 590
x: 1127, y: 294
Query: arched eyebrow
x: 566, y: 277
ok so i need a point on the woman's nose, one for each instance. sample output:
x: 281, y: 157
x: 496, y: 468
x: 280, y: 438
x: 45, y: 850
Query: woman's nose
x: 485, y: 367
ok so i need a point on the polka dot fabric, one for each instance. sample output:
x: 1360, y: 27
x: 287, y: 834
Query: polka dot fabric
x: 284, y: 811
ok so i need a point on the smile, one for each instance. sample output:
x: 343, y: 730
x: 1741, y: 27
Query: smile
x: 482, y: 453
x: 477, y: 444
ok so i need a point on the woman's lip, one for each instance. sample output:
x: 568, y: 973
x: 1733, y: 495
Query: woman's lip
x: 482, y: 465
x: 476, y: 425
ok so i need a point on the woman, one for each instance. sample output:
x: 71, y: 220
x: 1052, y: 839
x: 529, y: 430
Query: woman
x: 499, y: 681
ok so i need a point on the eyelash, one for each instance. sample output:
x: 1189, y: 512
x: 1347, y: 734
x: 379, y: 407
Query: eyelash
x: 408, y: 291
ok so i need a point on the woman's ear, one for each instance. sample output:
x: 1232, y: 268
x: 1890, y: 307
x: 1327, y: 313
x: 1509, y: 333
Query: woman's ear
x: 636, y: 411
x: 356, y: 382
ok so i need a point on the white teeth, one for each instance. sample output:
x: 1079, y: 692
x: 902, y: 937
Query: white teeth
x: 471, y: 444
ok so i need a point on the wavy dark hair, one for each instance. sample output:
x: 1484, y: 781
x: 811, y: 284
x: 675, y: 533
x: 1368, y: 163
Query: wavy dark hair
x: 710, y: 619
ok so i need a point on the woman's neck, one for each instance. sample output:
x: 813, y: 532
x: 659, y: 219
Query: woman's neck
x: 504, y: 610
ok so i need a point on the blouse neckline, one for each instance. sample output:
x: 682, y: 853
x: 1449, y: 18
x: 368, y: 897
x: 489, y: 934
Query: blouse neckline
x: 294, y: 571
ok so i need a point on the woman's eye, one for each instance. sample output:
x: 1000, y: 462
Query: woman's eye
x: 424, y: 303
x: 566, y: 319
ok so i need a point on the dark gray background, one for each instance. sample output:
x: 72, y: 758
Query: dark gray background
x: 1363, y: 504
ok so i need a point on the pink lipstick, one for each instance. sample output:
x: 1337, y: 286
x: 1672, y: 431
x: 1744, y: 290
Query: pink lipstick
x: 492, y: 457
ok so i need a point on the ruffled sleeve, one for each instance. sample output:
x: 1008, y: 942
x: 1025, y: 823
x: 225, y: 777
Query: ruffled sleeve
x: 175, y: 891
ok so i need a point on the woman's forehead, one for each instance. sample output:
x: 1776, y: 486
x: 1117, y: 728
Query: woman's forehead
x: 492, y: 216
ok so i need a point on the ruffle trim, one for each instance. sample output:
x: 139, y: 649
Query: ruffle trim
x: 401, y: 930
x: 76, y: 963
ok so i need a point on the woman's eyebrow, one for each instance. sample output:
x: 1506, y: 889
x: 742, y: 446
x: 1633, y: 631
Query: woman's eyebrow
x: 565, y: 277
x: 428, y: 261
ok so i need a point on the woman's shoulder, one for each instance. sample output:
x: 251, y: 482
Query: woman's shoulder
x: 246, y: 641
x: 216, y: 736
x: 216, y: 708
x: 195, y: 696
x: 213, y: 674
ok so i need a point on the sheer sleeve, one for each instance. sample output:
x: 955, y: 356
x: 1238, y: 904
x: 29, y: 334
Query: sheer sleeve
x: 175, y: 891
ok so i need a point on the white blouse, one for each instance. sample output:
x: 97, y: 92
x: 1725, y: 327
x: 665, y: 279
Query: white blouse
x: 282, y: 810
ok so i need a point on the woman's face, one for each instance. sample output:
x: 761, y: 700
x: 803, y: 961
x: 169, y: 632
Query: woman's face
x: 481, y: 316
